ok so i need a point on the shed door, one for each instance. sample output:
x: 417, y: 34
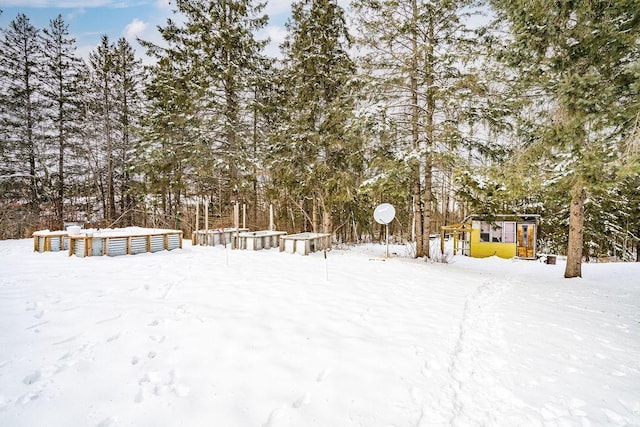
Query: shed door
x: 526, y: 240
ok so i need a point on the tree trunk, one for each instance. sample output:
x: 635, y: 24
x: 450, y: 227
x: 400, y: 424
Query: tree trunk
x: 415, y: 139
x: 638, y: 247
x: 576, y: 231
x: 111, y: 189
x: 429, y: 137
x: 314, y: 215
x: 426, y: 213
x: 327, y: 222
x: 33, y: 203
x: 254, y: 178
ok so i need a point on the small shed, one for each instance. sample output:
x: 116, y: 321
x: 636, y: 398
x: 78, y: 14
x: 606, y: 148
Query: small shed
x: 504, y: 235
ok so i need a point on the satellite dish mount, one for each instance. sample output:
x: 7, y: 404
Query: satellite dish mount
x: 384, y: 214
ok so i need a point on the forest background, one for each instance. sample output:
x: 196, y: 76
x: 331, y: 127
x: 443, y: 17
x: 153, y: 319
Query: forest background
x: 413, y: 103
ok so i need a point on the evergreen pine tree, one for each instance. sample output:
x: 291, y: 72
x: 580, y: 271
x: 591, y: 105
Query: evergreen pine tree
x: 127, y: 82
x: 102, y: 61
x: 168, y: 151
x: 218, y: 54
x: 416, y: 53
x: 579, y: 58
x: 62, y: 100
x: 318, y: 159
x: 21, y: 53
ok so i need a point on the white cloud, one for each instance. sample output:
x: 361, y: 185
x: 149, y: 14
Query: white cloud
x: 276, y: 35
x: 278, y: 7
x: 163, y: 5
x: 134, y: 29
x: 75, y: 13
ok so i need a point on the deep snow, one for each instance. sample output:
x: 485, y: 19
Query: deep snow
x: 205, y: 336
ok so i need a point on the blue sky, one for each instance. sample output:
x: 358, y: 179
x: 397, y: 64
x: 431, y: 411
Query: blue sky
x: 88, y: 20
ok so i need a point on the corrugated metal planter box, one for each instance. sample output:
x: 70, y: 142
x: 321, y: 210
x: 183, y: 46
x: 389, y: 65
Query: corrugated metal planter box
x: 305, y: 243
x: 127, y: 241
x: 157, y: 243
x: 221, y: 236
x: 115, y: 245
x: 50, y: 241
x: 264, y: 239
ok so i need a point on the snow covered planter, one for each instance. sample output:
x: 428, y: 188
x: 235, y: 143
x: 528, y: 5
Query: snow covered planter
x: 123, y: 241
x: 221, y: 236
x: 264, y: 239
x: 50, y: 241
x: 304, y: 243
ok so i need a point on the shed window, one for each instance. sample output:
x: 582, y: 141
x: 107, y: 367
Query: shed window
x: 485, y: 232
x: 498, y: 232
x: 509, y: 231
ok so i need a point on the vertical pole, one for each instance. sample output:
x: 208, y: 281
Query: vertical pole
x: 236, y: 223
x: 197, y: 222
x: 387, y: 233
x: 206, y: 215
x: 244, y: 215
x: 326, y: 265
x: 271, y: 217
x: 455, y: 242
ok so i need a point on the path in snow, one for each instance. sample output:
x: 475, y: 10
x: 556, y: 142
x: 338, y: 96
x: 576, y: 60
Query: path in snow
x: 472, y: 386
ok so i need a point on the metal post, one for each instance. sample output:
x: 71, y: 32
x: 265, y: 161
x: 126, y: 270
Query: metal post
x: 271, y: 217
x: 206, y: 216
x: 244, y: 215
x: 387, y: 225
x: 236, y: 223
x: 197, y: 220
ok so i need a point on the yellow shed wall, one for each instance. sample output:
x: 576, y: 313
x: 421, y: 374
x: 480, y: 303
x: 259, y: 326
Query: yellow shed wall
x: 480, y: 249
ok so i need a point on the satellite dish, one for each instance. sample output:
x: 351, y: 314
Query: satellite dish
x: 384, y: 213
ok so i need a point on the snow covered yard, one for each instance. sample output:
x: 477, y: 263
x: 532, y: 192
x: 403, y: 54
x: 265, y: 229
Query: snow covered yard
x: 205, y: 337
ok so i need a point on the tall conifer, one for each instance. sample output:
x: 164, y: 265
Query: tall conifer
x: 216, y: 45
x: 318, y: 158
x: 21, y: 53
x: 62, y: 97
x: 576, y: 61
x: 416, y: 53
x: 102, y: 63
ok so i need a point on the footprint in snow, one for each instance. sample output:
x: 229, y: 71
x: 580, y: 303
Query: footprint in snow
x: 107, y: 422
x: 305, y: 399
x: 28, y: 398
x: 323, y: 375
x: 275, y: 415
x: 32, y: 378
x: 114, y: 337
x: 159, y: 340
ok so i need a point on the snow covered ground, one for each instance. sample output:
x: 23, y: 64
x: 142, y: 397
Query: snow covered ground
x: 208, y: 337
